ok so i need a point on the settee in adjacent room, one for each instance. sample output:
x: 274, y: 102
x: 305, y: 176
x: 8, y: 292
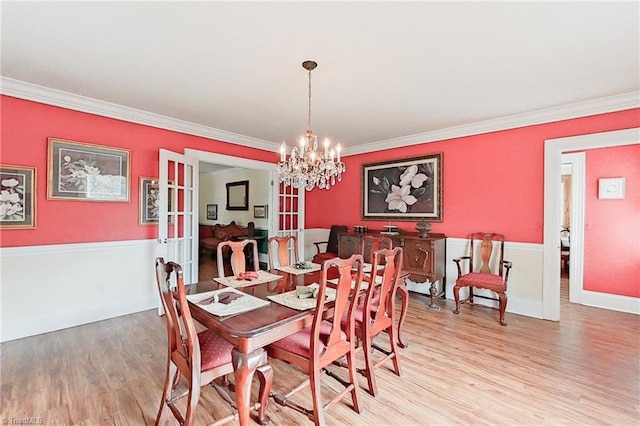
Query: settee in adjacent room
x: 211, y: 236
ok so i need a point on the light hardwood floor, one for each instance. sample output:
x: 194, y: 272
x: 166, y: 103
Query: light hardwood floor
x: 458, y: 369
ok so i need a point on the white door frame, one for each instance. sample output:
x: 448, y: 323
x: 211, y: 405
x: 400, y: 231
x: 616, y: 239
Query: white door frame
x: 577, y: 160
x: 553, y: 149
x: 246, y: 163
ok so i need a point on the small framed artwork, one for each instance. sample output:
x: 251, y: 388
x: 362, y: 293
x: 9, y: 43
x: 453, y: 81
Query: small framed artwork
x: 86, y: 172
x: 611, y: 188
x: 260, y: 212
x: 149, y: 201
x: 17, y: 197
x: 405, y: 189
x: 212, y: 212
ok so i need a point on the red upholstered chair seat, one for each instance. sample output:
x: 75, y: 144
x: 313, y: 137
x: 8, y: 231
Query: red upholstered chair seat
x: 321, y: 257
x: 214, y: 350
x: 299, y: 343
x: 484, y: 280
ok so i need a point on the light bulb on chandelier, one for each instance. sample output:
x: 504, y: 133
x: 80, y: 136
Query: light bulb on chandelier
x: 306, y: 168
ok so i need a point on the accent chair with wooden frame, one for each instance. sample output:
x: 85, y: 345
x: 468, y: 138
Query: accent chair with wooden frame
x: 316, y: 347
x: 200, y: 358
x: 287, y: 248
x: 485, y: 249
x: 331, y: 245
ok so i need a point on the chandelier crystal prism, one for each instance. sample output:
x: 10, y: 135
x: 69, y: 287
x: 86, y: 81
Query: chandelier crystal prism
x: 305, y: 167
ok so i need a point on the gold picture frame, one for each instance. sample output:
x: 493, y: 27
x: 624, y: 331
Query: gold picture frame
x: 406, y: 189
x: 86, y: 172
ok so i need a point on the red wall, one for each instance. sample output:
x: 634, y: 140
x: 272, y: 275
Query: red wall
x: 492, y: 182
x: 612, y: 227
x: 25, y: 128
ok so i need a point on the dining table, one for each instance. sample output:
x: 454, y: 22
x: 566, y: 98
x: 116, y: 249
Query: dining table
x: 251, y: 331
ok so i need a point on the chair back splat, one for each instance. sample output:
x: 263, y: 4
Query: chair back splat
x: 285, y: 251
x: 369, y: 244
x: 490, y: 249
x: 316, y: 347
x: 237, y: 258
x: 198, y: 358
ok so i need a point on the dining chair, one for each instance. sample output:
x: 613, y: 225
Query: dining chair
x: 316, y: 347
x: 488, y: 250
x: 286, y: 250
x: 200, y: 358
x: 237, y: 259
x: 376, y: 314
x: 369, y: 244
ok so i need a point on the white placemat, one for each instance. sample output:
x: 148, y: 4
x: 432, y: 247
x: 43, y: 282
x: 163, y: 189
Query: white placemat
x: 293, y: 270
x: 242, y: 304
x: 363, y: 286
x: 291, y: 299
x: 263, y: 277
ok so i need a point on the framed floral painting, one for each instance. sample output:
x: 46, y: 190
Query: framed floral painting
x: 81, y: 171
x: 17, y: 197
x: 407, y: 189
x: 149, y: 197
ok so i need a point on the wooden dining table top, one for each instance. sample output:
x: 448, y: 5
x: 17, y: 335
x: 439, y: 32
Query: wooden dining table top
x: 258, y: 327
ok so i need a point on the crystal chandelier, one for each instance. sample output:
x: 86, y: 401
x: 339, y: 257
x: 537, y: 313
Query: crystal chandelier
x: 306, y: 168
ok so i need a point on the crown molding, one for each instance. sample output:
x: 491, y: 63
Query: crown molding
x: 32, y: 92
x: 576, y: 110
x: 45, y: 95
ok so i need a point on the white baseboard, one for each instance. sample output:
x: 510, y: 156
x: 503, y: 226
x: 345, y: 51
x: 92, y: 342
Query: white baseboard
x: 611, y: 301
x: 59, y: 320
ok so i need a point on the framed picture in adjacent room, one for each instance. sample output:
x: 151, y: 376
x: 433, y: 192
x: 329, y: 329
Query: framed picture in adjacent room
x: 86, y: 172
x: 212, y: 212
x: 17, y: 197
x: 260, y: 212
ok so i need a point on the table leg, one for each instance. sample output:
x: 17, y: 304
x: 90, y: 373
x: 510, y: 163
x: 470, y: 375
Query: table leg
x: 244, y: 366
x: 404, y: 295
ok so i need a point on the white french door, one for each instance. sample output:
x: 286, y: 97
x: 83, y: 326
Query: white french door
x: 289, y: 205
x: 178, y: 217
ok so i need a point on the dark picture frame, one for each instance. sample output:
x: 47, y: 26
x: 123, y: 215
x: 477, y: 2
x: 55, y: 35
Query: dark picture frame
x: 17, y: 197
x: 260, y: 212
x: 212, y: 212
x: 238, y: 195
x: 87, y: 172
x: 407, y: 189
x: 149, y: 201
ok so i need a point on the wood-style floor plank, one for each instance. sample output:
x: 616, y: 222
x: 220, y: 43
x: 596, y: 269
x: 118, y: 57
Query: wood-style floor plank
x: 458, y: 369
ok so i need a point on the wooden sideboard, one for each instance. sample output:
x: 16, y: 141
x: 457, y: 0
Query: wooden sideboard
x: 423, y: 258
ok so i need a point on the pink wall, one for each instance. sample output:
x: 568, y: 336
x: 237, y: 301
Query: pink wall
x: 492, y: 182
x: 25, y: 128
x: 612, y: 227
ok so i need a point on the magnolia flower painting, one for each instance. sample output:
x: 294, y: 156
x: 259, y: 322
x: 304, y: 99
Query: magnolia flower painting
x: 405, y: 189
x: 88, y: 172
x: 17, y: 197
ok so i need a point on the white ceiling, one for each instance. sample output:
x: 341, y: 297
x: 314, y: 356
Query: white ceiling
x: 386, y: 69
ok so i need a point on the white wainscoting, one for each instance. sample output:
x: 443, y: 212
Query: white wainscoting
x: 48, y: 288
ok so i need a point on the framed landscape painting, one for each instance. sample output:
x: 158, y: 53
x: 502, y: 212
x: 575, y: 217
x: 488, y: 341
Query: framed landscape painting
x: 406, y: 189
x: 81, y: 171
x: 17, y: 197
